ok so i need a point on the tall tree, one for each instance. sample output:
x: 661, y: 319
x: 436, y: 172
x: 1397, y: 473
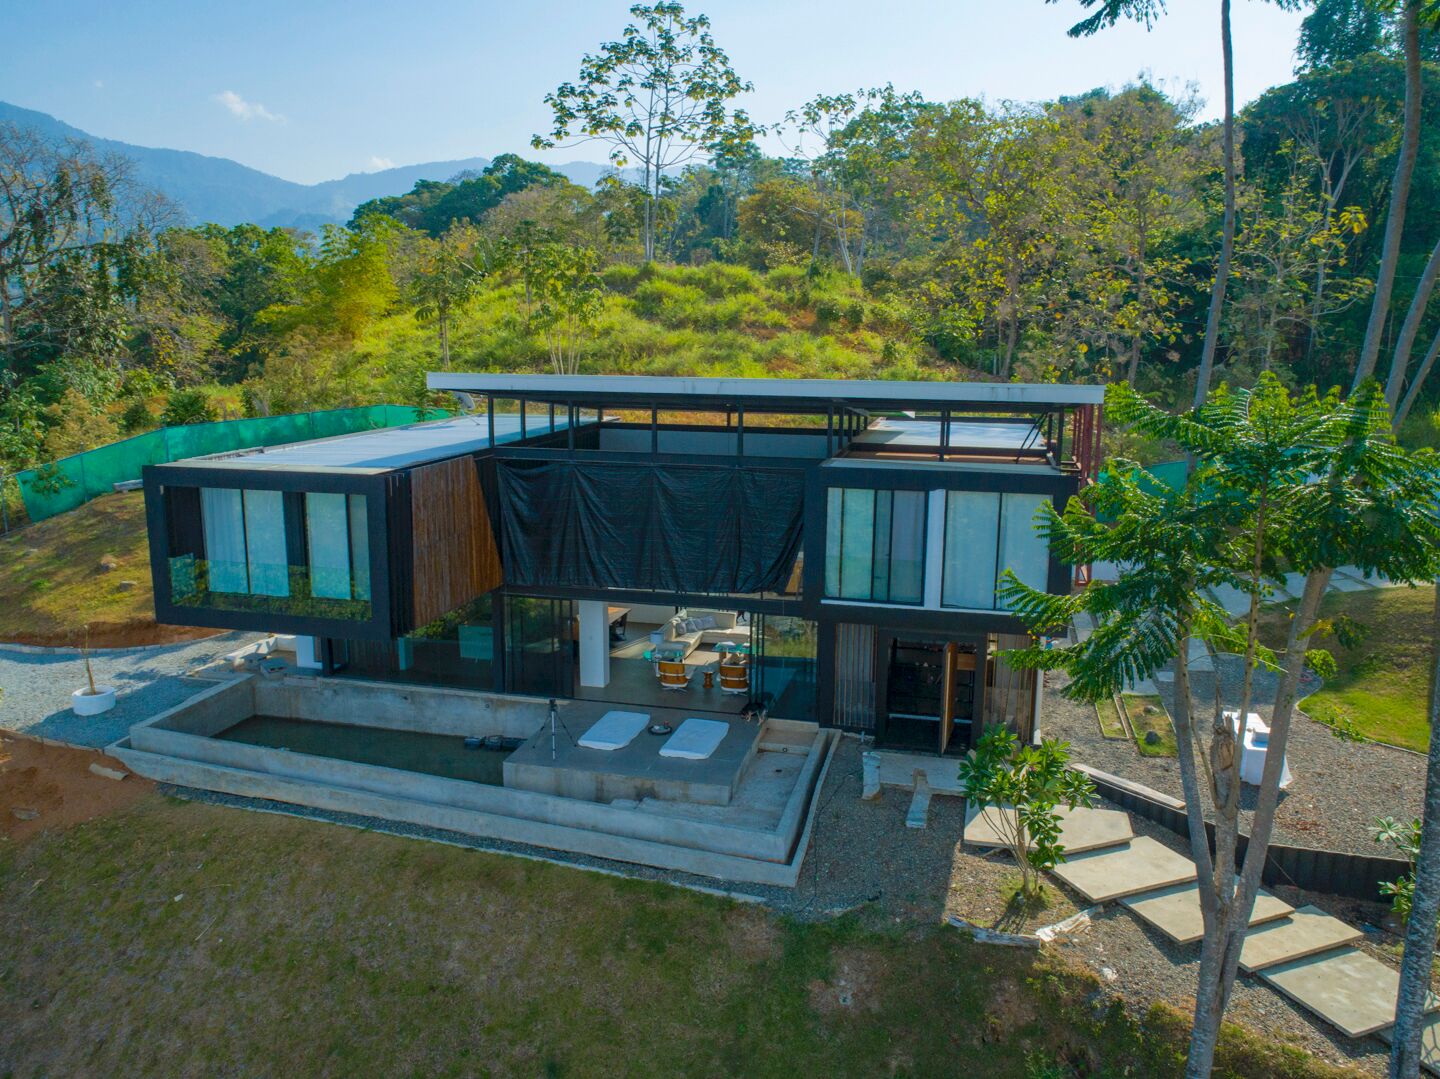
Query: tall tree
x: 1108, y: 13
x: 450, y: 270
x: 1251, y: 509
x: 659, y: 97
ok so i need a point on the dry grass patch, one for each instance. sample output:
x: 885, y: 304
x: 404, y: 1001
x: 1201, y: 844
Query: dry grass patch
x: 180, y: 938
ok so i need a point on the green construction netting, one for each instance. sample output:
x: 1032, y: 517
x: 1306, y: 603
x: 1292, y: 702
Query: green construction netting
x: 62, y: 485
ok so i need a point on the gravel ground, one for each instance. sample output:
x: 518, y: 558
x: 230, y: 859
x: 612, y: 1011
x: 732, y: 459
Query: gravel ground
x: 37, y: 686
x: 1338, y: 789
x: 862, y: 856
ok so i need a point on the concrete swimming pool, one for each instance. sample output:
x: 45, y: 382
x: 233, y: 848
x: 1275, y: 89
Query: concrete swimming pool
x: 399, y: 753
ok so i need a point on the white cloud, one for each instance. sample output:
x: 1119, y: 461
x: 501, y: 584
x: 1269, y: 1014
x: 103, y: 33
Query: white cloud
x: 378, y: 163
x: 247, y: 110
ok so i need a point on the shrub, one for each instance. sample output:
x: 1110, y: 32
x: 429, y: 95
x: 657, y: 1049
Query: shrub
x: 137, y: 416
x: 185, y: 407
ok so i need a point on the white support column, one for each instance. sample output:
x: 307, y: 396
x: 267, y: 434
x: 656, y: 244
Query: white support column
x: 934, y: 548
x: 307, y: 653
x: 594, y: 643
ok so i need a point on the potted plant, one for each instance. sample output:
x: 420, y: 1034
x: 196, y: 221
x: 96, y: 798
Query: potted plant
x: 90, y: 699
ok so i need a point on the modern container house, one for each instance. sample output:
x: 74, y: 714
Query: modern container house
x: 826, y: 551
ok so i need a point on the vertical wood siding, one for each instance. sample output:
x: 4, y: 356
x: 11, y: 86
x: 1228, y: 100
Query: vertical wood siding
x: 855, y: 677
x: 455, y: 558
x: 1010, y: 699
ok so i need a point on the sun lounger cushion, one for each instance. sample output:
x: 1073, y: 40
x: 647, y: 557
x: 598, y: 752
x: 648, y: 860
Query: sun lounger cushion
x: 695, y: 739
x: 615, y: 730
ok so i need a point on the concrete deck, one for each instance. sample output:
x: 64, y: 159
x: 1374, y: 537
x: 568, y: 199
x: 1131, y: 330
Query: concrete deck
x: 636, y: 771
x: 1303, y: 933
x: 1352, y: 991
x: 1141, y: 865
x: 1081, y: 829
x: 1176, y: 911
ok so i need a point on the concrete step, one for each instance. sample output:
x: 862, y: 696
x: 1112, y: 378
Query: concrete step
x: 1305, y: 932
x: 1081, y: 829
x: 1141, y: 865
x: 1352, y: 991
x: 1176, y: 911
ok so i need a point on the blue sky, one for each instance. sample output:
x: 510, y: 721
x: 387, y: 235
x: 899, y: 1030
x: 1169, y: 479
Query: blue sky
x: 312, y: 90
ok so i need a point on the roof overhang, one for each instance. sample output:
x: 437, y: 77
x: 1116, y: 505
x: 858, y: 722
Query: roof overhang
x: 766, y: 394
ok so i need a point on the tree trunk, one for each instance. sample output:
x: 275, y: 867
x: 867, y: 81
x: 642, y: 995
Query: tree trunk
x: 1405, y: 343
x: 1414, y: 391
x: 444, y: 341
x: 1227, y: 235
x: 1425, y: 909
x: 1399, y: 197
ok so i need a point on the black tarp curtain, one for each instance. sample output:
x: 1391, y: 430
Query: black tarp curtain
x: 674, y: 528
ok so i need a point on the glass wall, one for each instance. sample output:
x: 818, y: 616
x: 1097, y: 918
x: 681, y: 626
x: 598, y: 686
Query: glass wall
x: 270, y: 552
x: 539, y: 648
x: 785, y: 663
x: 875, y: 545
x: 457, y: 649
x: 985, y: 534
x: 337, y: 540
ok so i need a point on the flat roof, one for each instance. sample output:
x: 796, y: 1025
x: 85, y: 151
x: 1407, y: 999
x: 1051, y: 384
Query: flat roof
x: 387, y: 448
x: 773, y: 393
x: 964, y: 435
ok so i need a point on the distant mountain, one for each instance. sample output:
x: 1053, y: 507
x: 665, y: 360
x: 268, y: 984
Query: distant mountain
x: 216, y: 189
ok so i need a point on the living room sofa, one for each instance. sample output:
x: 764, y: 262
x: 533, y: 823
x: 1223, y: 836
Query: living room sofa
x: 696, y: 628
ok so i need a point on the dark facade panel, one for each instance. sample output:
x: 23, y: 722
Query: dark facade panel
x: 698, y: 529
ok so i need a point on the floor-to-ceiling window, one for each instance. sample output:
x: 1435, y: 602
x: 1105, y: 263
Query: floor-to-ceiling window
x: 457, y: 649
x: 785, y: 665
x: 338, y: 544
x: 985, y: 534
x: 245, y: 541
x: 875, y: 545
x: 539, y: 653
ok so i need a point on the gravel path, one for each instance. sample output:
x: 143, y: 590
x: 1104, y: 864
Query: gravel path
x: 37, y: 687
x: 1338, y: 790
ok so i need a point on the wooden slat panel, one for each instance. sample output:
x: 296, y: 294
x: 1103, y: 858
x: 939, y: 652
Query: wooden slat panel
x: 1011, y: 700
x: 855, y: 677
x: 455, y: 558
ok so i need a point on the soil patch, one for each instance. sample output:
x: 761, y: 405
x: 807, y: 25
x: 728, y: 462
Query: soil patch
x: 51, y: 788
x: 130, y: 634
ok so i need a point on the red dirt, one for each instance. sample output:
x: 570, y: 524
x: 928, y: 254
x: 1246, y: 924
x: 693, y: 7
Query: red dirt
x: 119, y: 635
x: 56, y: 782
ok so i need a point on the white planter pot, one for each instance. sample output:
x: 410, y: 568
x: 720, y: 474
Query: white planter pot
x: 85, y: 703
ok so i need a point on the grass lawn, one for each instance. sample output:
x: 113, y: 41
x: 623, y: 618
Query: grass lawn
x: 1146, y: 714
x: 51, y: 583
x: 1383, y: 681
x: 1108, y: 715
x: 180, y: 939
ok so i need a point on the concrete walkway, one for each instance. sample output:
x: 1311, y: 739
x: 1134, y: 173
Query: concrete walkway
x: 37, y: 686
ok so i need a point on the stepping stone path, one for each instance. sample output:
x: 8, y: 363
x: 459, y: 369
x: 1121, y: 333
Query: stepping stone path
x: 1429, y: 1043
x: 1308, y: 931
x: 1175, y: 911
x: 1081, y: 829
x: 1137, y: 865
x: 1304, y: 953
x: 1350, y: 990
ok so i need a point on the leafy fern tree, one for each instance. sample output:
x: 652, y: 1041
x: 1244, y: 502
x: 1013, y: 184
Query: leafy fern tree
x: 1280, y: 484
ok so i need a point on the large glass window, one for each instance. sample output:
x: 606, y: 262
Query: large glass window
x: 339, y: 546
x: 986, y: 534
x: 875, y: 545
x: 249, y: 548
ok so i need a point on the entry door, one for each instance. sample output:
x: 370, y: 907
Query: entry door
x: 929, y: 695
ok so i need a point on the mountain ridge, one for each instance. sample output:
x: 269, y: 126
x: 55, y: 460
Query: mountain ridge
x: 219, y: 190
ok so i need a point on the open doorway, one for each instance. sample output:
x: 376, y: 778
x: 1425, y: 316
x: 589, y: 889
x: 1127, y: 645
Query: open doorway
x: 930, y: 694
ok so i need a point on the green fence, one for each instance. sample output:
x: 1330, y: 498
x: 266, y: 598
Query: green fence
x: 72, y: 481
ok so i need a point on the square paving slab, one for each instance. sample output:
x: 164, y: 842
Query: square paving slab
x: 1176, y: 911
x: 1307, y: 931
x: 1081, y: 829
x: 1429, y: 1043
x: 1141, y: 865
x: 1350, y: 990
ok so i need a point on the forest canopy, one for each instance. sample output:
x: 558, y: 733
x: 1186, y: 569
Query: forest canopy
x: 894, y: 236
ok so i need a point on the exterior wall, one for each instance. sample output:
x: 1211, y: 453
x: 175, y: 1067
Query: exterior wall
x: 453, y: 556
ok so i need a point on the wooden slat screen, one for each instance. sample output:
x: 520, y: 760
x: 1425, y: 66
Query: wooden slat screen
x: 855, y: 677
x: 455, y: 558
x: 1010, y: 695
